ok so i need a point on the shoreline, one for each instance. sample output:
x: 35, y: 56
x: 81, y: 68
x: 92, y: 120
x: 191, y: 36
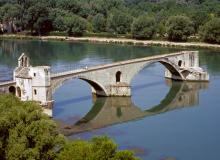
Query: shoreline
x: 116, y: 41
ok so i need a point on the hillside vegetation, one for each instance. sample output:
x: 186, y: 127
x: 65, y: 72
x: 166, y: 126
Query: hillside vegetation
x: 175, y: 20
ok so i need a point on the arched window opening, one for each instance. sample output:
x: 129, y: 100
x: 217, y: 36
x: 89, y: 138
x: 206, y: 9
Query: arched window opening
x: 25, y: 62
x: 118, y: 76
x: 180, y: 63
x: 12, y: 90
x: 22, y: 62
x: 19, y: 92
x: 35, y: 92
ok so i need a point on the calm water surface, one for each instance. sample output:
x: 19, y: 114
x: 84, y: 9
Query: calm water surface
x: 162, y: 120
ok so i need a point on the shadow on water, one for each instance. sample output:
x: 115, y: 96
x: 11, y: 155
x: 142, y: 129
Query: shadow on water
x: 114, y: 110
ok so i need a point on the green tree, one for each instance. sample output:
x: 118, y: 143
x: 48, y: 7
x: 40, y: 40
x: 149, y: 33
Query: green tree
x: 57, y: 15
x: 119, y: 22
x: 179, y: 28
x: 210, y: 32
x: 37, y: 19
x: 25, y: 132
x: 143, y: 27
x: 104, y: 6
x: 10, y: 14
x: 99, y: 148
x: 99, y: 23
x: 74, y: 24
x: 199, y: 18
x: 72, y: 6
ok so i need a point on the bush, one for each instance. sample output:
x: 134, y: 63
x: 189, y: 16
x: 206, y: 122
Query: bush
x: 25, y: 132
x: 179, y: 28
x: 210, y: 32
x: 99, y: 148
x: 143, y: 28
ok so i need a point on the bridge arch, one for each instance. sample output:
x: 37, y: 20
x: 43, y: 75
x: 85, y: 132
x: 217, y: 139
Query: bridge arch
x: 173, y: 68
x: 12, y: 90
x: 97, y: 88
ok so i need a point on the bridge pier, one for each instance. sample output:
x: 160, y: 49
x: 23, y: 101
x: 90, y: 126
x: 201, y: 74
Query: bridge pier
x: 116, y: 90
x: 119, y: 89
x: 188, y: 67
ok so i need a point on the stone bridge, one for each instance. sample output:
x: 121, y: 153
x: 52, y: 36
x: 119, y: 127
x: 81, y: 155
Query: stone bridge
x: 38, y: 83
x: 115, y: 79
x: 114, y: 110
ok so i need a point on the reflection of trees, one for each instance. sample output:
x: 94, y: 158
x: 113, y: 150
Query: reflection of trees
x: 211, y: 59
x: 114, y: 110
x: 49, y: 52
x: 7, y: 53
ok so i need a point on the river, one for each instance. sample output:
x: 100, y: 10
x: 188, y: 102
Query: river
x: 161, y: 120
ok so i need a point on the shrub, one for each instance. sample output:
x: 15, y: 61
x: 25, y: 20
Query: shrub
x: 99, y: 148
x: 25, y: 132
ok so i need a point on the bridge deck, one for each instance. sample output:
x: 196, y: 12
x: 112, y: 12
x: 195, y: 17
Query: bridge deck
x: 7, y: 83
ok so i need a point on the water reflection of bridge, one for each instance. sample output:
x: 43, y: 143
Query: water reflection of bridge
x: 114, y: 110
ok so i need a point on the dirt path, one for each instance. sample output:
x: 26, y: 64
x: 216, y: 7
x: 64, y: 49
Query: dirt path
x: 119, y: 40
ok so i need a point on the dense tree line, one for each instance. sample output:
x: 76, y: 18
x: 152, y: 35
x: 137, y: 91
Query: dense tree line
x: 175, y: 20
x: 27, y: 133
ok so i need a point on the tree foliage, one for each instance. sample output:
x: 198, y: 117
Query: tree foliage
x: 179, y: 28
x: 112, y: 16
x: 99, y: 23
x: 210, y: 32
x: 25, y: 132
x: 99, y: 148
x: 74, y: 24
x: 119, y: 22
x: 199, y: 18
x: 143, y: 27
x: 37, y: 18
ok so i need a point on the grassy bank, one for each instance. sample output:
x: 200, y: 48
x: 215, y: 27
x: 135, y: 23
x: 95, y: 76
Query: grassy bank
x: 116, y: 40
